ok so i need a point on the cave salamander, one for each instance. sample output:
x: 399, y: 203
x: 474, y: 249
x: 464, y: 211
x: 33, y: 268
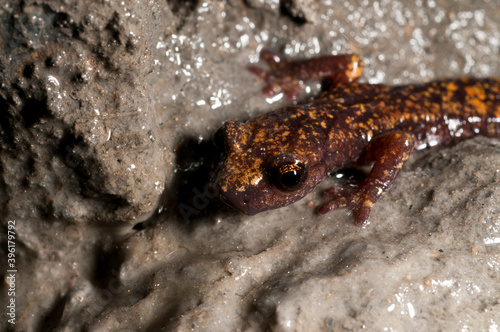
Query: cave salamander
x: 279, y: 157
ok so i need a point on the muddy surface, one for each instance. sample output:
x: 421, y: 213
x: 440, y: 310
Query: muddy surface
x: 107, y: 111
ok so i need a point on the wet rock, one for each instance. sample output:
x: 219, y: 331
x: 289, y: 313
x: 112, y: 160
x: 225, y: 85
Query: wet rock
x: 80, y: 138
x: 429, y: 260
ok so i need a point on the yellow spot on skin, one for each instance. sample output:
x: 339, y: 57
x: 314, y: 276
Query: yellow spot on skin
x: 479, y: 106
x: 355, y: 68
x: 255, y: 180
x: 451, y: 86
x: 369, y: 204
x: 475, y: 92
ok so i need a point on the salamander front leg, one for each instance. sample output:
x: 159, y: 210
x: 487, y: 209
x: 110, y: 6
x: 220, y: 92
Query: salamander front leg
x: 388, y: 153
x: 287, y: 76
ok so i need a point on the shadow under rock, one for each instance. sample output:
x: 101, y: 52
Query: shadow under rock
x: 52, y: 319
x: 190, y: 197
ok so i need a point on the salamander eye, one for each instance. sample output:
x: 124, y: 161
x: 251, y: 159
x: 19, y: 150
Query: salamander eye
x: 286, y: 173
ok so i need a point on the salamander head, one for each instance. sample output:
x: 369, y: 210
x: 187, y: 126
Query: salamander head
x: 265, y: 166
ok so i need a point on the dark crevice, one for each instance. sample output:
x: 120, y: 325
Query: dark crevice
x: 297, y: 16
x: 182, y: 7
x: 6, y: 123
x: 61, y: 20
x: 105, y: 272
x: 182, y: 10
x: 139, y: 226
x: 34, y: 110
x: 29, y: 70
x: 51, y: 320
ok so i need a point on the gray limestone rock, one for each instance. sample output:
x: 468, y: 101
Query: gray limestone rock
x: 79, y: 134
x: 90, y: 88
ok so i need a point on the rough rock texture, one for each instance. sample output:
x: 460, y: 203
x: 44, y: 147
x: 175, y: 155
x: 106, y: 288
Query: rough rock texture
x: 163, y: 77
x: 79, y: 140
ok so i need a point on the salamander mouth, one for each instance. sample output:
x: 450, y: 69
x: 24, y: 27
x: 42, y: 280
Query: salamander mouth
x: 242, y: 206
x: 238, y: 201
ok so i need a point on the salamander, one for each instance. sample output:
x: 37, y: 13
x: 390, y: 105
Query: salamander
x: 277, y: 158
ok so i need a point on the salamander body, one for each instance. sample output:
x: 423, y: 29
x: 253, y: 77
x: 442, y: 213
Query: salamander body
x: 277, y: 158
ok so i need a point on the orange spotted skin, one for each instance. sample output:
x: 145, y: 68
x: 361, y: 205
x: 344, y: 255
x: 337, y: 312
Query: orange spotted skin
x: 277, y: 158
